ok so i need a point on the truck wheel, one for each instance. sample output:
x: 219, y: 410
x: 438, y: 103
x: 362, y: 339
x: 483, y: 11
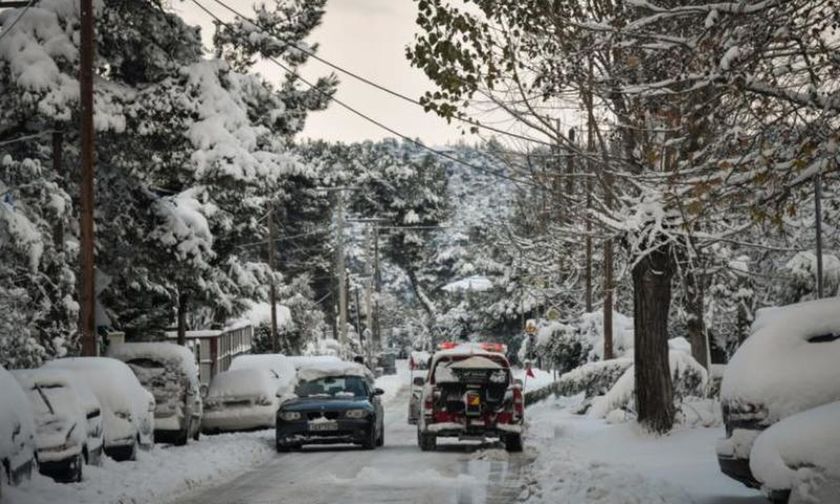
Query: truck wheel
x: 513, y: 442
x: 428, y: 442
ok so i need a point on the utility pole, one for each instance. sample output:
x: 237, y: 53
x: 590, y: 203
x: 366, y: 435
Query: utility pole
x: 342, y: 271
x: 358, y: 324
x: 369, y: 293
x: 590, y: 151
x: 272, y: 288
x: 818, y: 219
x: 377, y: 280
x: 87, y: 296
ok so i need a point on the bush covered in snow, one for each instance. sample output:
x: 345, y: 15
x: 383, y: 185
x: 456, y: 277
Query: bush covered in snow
x: 593, y: 379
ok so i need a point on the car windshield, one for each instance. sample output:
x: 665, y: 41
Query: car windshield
x: 333, y: 386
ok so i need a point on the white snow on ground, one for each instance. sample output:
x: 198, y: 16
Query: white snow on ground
x: 540, y: 379
x: 159, y: 475
x: 391, y: 384
x: 583, y: 460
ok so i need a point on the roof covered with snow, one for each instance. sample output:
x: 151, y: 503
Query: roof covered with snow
x: 300, y: 361
x: 15, y: 411
x: 243, y: 382
x: 278, y: 364
x: 314, y: 371
x: 164, y: 352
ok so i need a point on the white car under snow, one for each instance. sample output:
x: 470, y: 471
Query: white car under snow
x: 788, y: 365
x: 63, y: 439
x: 239, y: 400
x: 127, y: 408
x: 17, y: 432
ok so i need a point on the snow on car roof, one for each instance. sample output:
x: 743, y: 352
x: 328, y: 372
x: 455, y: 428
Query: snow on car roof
x: 314, y: 371
x: 15, y: 411
x: 467, y: 349
x: 161, y: 351
x: 111, y: 380
x: 778, y: 368
x: 797, y: 448
x: 242, y: 382
x: 278, y: 363
x: 300, y: 361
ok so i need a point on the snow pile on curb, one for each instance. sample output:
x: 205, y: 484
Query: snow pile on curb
x: 160, y: 475
x: 560, y: 475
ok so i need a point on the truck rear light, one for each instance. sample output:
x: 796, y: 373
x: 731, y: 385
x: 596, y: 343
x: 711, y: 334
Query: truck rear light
x: 518, y: 402
x: 428, y: 404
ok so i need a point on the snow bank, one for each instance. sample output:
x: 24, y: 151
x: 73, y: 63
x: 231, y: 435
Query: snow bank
x: 800, y: 453
x: 160, y: 475
x: 561, y: 473
x: 593, y: 379
x: 689, y: 380
x: 587, y: 460
x: 778, y: 368
x: 341, y: 368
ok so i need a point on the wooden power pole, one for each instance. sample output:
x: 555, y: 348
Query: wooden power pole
x: 87, y: 296
x: 272, y: 288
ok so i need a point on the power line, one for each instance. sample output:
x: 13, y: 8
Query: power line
x: 18, y: 18
x: 376, y: 85
x: 381, y: 125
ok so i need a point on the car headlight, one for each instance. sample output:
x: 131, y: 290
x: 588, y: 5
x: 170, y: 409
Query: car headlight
x: 289, y: 416
x: 356, y: 413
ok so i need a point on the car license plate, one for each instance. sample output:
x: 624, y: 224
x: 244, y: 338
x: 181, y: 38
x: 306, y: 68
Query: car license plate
x: 323, y: 426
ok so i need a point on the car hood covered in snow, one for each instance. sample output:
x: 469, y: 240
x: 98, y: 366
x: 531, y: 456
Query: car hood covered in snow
x: 789, y: 363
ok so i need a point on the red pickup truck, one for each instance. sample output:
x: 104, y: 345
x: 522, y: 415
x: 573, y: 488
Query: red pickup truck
x: 470, y: 394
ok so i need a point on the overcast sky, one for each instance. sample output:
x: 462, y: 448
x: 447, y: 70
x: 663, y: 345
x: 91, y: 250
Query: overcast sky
x: 368, y: 37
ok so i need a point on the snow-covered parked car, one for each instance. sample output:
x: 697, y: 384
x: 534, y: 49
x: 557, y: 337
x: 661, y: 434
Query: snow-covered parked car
x: 127, y: 408
x: 240, y: 400
x: 788, y: 365
x: 17, y: 432
x: 62, y: 439
x: 170, y: 373
x: 470, y: 394
x: 333, y: 402
x: 281, y: 368
x: 798, y: 458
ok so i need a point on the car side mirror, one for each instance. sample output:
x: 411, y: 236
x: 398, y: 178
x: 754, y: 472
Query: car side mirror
x: 378, y: 391
x: 419, y: 381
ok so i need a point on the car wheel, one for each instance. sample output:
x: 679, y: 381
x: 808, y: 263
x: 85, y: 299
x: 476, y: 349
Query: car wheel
x: 283, y: 447
x: 76, y: 477
x: 513, y: 443
x: 428, y: 441
x: 370, y: 441
x: 183, y: 437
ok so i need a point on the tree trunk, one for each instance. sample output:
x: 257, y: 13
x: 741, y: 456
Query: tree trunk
x: 695, y: 301
x: 652, y: 299
x: 183, y: 300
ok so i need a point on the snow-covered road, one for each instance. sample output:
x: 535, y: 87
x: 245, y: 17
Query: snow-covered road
x: 399, y: 472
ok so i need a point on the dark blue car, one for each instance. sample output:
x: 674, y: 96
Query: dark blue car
x: 340, y: 408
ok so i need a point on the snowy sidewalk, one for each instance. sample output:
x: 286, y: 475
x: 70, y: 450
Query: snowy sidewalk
x: 588, y: 461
